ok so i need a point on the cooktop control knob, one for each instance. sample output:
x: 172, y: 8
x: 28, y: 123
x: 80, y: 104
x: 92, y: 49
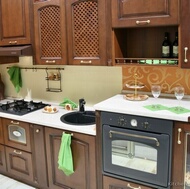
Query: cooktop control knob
x: 122, y: 121
x: 134, y: 123
x: 146, y: 125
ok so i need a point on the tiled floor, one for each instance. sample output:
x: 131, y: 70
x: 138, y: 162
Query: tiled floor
x: 8, y: 183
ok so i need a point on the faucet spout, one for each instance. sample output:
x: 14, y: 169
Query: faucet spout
x: 82, y: 102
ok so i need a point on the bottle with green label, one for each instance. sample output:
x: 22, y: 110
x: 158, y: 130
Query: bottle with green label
x: 175, y: 46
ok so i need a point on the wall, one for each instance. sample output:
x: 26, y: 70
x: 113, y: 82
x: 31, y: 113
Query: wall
x: 94, y: 83
x: 167, y: 77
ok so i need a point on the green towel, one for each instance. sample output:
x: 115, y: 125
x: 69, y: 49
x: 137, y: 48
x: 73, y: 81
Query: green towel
x: 65, y: 159
x: 67, y: 101
x: 15, y: 77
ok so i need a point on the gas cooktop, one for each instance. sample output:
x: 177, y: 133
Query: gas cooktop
x: 21, y: 107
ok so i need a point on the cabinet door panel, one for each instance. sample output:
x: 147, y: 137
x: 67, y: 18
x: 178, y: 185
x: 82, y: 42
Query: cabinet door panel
x: 1, y: 132
x: 2, y: 159
x: 14, y: 22
x: 50, y: 33
x: 130, y: 12
x: 19, y: 163
x: 83, y: 159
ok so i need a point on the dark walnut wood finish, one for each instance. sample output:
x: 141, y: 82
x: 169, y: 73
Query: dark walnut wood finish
x: 83, y: 152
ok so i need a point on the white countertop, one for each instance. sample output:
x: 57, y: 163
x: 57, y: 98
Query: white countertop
x: 52, y: 120
x: 118, y: 104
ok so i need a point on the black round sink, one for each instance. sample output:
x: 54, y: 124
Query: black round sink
x: 79, y: 118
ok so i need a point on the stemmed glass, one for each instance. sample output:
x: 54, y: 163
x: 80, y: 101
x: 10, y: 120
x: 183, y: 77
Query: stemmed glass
x: 179, y: 94
x: 156, y: 90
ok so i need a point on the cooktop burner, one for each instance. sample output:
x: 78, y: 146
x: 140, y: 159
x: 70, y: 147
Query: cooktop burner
x: 21, y: 107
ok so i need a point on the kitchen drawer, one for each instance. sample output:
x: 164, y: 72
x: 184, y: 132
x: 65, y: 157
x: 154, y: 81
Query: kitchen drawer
x: 19, y: 163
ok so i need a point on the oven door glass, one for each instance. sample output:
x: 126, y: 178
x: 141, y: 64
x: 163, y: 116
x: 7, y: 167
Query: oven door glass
x: 137, y: 155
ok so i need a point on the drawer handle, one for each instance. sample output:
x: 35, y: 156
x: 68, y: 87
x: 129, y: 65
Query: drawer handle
x: 178, y: 136
x: 86, y: 62
x: 16, y: 152
x: 128, y: 185
x: 186, y: 60
x: 143, y: 22
x: 12, y: 42
x: 50, y: 61
x: 15, y: 123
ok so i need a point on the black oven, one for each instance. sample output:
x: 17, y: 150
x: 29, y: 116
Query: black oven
x: 137, y: 149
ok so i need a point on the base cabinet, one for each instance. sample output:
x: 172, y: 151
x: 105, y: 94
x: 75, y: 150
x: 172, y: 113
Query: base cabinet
x: 112, y: 183
x: 83, y: 153
x: 2, y: 159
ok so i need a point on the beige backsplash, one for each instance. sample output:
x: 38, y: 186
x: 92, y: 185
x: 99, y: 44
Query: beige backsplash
x: 94, y: 83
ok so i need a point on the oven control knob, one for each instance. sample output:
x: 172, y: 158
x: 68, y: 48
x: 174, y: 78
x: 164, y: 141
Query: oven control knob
x: 122, y: 121
x: 134, y: 123
x: 145, y: 125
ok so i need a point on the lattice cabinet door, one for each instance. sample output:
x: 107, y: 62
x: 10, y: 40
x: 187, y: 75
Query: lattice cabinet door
x: 50, y: 32
x: 86, y: 30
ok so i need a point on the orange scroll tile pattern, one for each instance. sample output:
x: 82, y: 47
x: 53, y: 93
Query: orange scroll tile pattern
x: 167, y: 77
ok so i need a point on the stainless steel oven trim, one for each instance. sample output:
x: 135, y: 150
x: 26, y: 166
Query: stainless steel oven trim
x: 135, y: 136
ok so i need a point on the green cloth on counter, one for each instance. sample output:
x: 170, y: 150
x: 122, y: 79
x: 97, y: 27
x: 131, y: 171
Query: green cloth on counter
x: 178, y: 110
x: 68, y: 101
x: 156, y: 107
x: 65, y: 159
x: 15, y: 77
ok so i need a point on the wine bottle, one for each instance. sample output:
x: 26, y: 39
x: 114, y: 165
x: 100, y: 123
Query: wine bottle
x: 175, y: 46
x: 166, y: 46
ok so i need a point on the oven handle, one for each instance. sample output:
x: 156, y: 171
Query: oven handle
x: 136, y: 136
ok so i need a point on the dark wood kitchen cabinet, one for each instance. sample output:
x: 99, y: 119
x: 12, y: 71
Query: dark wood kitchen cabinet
x: 86, y: 30
x: 15, y: 22
x: 83, y: 152
x: 138, y: 31
x: 25, y: 156
x: 184, y: 33
x: 132, y: 13
x: 181, y: 151
x: 50, y: 32
x: 113, y: 183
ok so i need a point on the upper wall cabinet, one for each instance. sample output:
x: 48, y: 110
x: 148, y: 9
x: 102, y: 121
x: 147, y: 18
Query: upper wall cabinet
x: 130, y: 13
x: 184, y: 33
x: 50, y: 32
x: 14, y: 22
x: 86, y: 29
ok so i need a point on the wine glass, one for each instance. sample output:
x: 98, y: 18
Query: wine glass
x: 156, y: 90
x: 179, y: 94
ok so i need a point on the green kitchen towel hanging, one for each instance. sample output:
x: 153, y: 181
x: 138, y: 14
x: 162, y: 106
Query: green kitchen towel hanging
x: 15, y: 77
x: 65, y: 159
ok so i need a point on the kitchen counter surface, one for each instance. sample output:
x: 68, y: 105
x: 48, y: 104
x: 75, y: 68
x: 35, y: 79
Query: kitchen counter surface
x: 118, y: 104
x: 52, y: 120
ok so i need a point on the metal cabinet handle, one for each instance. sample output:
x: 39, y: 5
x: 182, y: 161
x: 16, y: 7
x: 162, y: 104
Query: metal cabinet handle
x: 15, y: 123
x: 86, y: 62
x: 16, y: 152
x: 12, y: 42
x: 50, y: 61
x: 37, y: 130
x: 178, y: 136
x: 186, y: 60
x: 143, y: 22
x: 128, y: 185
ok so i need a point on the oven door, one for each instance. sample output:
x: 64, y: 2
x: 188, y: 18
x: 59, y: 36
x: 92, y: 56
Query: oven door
x: 136, y: 155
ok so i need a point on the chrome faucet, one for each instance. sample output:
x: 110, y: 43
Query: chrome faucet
x: 82, y: 102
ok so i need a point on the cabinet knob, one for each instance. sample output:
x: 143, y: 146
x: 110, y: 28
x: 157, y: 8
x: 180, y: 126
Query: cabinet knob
x: 37, y: 130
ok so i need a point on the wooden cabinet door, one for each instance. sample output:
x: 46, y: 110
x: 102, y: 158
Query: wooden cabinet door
x: 50, y: 32
x: 2, y: 159
x: 39, y: 156
x: 184, y: 34
x: 19, y: 163
x: 113, y: 183
x: 1, y: 132
x: 130, y: 13
x: 86, y: 29
x: 14, y: 22
x: 83, y: 152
